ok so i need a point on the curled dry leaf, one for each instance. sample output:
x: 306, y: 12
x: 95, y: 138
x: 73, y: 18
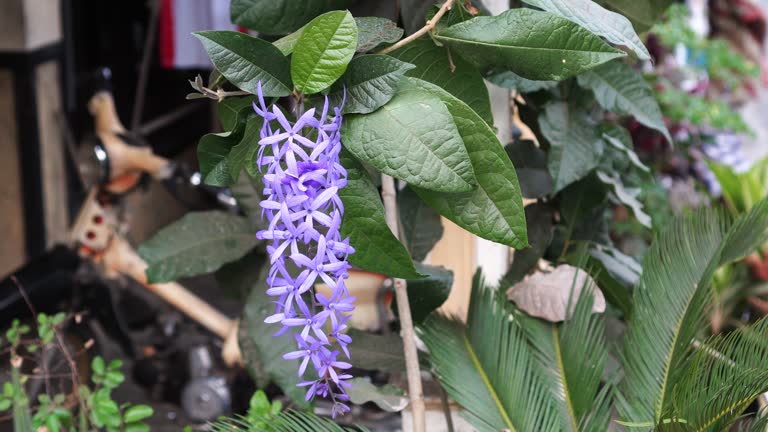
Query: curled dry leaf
x: 546, y: 295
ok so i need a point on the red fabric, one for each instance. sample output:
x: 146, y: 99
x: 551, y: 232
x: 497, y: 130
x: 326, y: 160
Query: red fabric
x: 167, y: 54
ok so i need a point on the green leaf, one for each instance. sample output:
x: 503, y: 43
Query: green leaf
x: 459, y: 77
x: 620, y: 139
x: 643, y: 13
x: 370, y: 82
x: 427, y: 294
x: 616, y: 275
x: 198, y: 243
x: 137, y: 427
x: 377, y: 352
x: 276, y: 17
x: 374, y: 31
x: 287, y: 44
x: 263, y: 353
x: 230, y: 108
x: 422, y: 227
x: 513, y: 81
x: 670, y: 303
x: 531, y: 165
x: 572, y: 357
x: 626, y: 197
x: 137, y: 413
x: 540, y: 218
x: 486, y: 365
x: 212, y: 153
x: 412, y: 138
x: 286, y: 421
x: 535, y: 45
x: 324, y: 49
x: 243, y: 155
x: 575, y: 146
x: 246, y: 60
x: 376, y: 248
x: 98, y: 366
x: 620, y: 89
x: 387, y: 397
x: 613, y: 27
x: 494, y: 210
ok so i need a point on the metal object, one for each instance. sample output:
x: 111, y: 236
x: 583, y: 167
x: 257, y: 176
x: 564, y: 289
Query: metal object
x: 206, y: 396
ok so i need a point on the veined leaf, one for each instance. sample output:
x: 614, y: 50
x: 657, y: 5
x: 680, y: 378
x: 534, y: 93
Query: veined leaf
x: 670, y: 301
x: 535, y: 45
x: 625, y: 197
x: 513, y: 81
x: 229, y: 110
x: 323, y: 51
x: 376, y: 248
x: 277, y: 17
x: 572, y: 356
x: 643, y: 13
x: 613, y: 27
x: 377, y: 352
x: 198, y: 243
x: 427, y: 294
x: 374, y: 31
x: 388, y: 397
x: 370, y: 82
x: 494, y: 210
x: 486, y: 366
x: 412, y: 138
x: 421, y: 224
x: 245, y: 60
x: 460, y: 78
x: 620, y: 89
x: 575, y: 146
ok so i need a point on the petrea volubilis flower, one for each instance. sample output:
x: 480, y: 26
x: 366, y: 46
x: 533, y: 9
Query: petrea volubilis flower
x: 302, y: 177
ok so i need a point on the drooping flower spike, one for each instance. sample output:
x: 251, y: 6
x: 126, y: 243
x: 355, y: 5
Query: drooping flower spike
x: 302, y: 177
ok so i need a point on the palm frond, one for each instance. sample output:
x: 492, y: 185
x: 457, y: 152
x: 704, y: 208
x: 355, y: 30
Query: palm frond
x: 723, y: 378
x: 487, y: 367
x: 671, y: 299
x: 286, y: 421
x: 572, y: 356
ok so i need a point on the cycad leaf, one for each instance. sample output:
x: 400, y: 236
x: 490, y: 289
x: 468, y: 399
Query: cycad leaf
x: 722, y: 379
x: 572, y: 355
x: 286, y: 421
x: 670, y: 301
x: 487, y: 367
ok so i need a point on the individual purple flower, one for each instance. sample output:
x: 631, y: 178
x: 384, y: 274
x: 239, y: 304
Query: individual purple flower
x: 302, y: 176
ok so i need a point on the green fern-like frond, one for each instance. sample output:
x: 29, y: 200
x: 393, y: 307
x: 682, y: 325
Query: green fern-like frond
x: 723, y: 378
x: 487, y: 367
x: 286, y: 421
x: 572, y: 356
x: 670, y: 302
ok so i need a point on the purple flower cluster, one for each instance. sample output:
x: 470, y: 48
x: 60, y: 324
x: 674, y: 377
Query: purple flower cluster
x: 302, y: 177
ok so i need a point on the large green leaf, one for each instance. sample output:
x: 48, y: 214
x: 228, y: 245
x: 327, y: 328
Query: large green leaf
x: 323, y: 51
x: 572, y: 356
x: 575, y: 146
x: 374, y: 31
x: 494, y: 210
x: 377, y: 352
x: 487, y: 367
x: 370, y: 82
x: 387, y: 397
x: 376, y: 248
x: 625, y: 196
x: 421, y: 224
x: 413, y: 138
x: 262, y: 352
x: 670, y: 302
x: 427, y: 294
x: 243, y: 155
x: 280, y: 16
x: 621, y: 89
x: 531, y: 165
x: 229, y: 110
x: 245, y: 61
x: 213, y: 151
x: 535, y: 45
x: 613, y: 27
x: 454, y: 74
x: 513, y: 81
x: 643, y: 13
x: 198, y: 243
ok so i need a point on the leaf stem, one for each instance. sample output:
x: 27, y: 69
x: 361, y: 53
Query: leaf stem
x: 422, y: 31
x: 415, y: 393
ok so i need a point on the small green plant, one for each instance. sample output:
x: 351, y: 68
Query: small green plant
x: 86, y: 409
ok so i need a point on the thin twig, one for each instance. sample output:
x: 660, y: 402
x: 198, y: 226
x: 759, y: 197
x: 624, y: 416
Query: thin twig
x: 413, y: 371
x: 141, y: 84
x: 422, y: 31
x: 446, y: 408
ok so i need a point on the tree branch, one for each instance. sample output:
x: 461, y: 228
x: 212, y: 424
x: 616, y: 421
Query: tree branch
x: 422, y: 31
x: 413, y: 371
